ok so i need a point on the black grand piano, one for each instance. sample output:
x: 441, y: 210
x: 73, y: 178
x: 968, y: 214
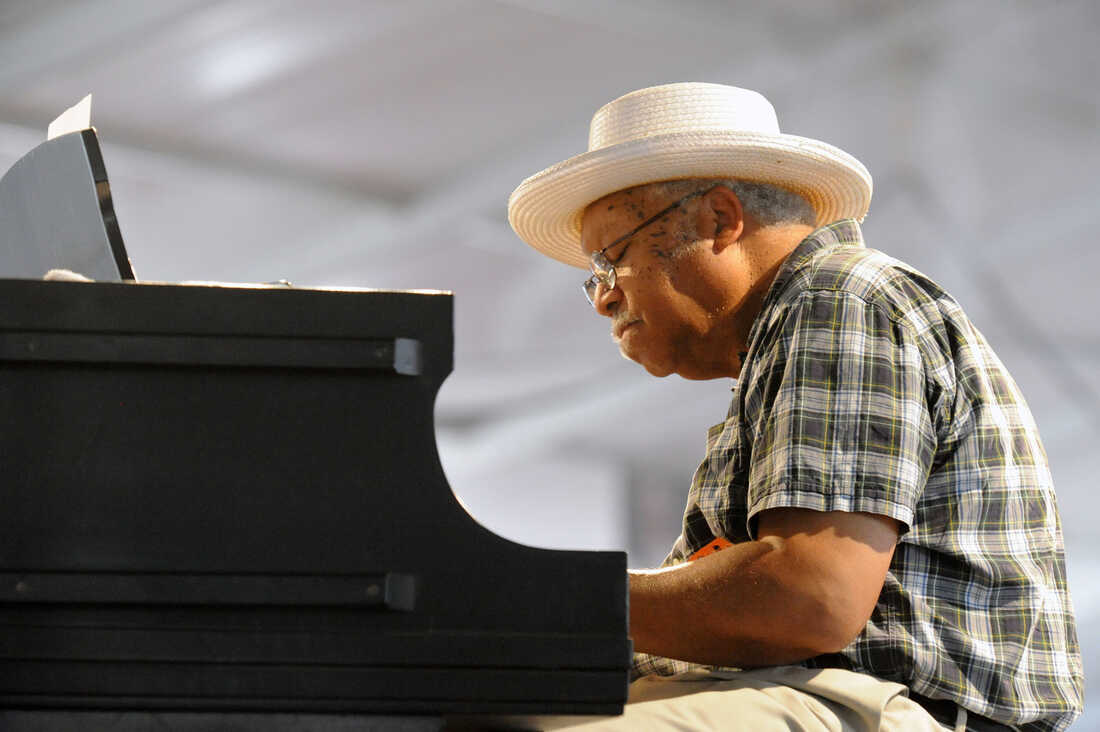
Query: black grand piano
x: 223, y: 508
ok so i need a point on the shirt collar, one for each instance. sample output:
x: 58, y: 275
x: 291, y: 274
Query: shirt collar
x: 841, y: 233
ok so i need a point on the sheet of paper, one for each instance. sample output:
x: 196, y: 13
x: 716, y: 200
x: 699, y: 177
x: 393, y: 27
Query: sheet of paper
x: 75, y: 118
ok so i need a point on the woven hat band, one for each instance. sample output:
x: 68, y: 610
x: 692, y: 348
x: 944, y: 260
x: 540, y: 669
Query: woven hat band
x: 672, y: 108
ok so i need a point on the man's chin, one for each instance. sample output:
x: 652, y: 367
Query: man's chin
x: 653, y: 368
x: 658, y: 372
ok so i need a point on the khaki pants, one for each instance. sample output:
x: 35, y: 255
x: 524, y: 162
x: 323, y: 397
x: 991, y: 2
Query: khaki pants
x: 778, y: 698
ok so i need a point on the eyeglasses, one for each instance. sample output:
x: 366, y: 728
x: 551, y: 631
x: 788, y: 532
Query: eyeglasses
x: 603, y: 269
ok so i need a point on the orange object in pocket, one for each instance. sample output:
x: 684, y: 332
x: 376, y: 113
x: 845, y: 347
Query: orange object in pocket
x: 715, y: 545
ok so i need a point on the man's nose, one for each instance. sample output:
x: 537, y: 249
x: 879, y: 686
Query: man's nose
x: 606, y: 299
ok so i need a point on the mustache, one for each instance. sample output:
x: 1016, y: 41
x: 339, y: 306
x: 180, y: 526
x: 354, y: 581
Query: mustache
x: 619, y: 323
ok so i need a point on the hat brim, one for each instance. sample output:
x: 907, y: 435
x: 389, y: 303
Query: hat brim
x: 545, y: 210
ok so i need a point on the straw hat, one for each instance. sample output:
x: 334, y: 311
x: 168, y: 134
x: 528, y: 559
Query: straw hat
x: 689, y: 130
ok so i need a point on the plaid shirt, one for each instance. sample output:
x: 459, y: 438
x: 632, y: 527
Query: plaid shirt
x: 866, y: 388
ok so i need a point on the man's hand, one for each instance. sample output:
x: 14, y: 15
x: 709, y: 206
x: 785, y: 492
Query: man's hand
x: 807, y: 586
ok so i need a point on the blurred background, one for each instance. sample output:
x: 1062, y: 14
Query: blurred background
x: 374, y: 144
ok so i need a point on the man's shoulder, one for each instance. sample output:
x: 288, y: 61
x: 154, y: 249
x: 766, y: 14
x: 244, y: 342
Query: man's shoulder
x: 869, y: 275
x: 858, y: 270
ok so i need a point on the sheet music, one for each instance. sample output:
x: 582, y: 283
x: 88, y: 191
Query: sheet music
x: 75, y: 118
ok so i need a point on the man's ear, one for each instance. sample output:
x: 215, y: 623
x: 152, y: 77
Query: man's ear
x: 729, y: 217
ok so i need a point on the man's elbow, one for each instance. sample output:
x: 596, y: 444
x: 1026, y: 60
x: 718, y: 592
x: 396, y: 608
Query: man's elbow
x: 808, y: 626
x: 837, y: 622
x: 838, y: 634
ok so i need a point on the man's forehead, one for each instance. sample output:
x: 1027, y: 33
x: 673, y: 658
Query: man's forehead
x: 610, y: 216
x: 607, y: 218
x: 637, y: 194
x: 619, y: 207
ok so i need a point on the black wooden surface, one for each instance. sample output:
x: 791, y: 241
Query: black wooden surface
x: 289, y: 481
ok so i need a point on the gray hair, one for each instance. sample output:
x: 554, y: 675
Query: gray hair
x: 768, y: 204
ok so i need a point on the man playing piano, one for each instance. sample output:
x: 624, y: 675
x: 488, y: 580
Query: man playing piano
x: 872, y: 539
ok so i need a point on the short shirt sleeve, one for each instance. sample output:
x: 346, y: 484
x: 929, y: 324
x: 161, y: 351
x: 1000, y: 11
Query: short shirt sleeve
x: 837, y: 412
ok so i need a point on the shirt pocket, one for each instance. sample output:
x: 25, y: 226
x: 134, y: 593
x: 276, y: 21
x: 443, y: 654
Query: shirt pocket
x: 723, y: 487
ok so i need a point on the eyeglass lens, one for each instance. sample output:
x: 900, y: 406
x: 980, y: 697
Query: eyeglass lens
x: 602, y: 271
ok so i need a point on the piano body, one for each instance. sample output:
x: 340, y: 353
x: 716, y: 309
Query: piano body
x: 226, y: 504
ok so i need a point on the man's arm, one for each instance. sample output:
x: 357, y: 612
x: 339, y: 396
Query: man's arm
x: 807, y: 586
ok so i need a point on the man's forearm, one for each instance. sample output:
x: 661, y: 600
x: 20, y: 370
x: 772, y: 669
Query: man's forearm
x: 731, y: 608
x: 794, y: 594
